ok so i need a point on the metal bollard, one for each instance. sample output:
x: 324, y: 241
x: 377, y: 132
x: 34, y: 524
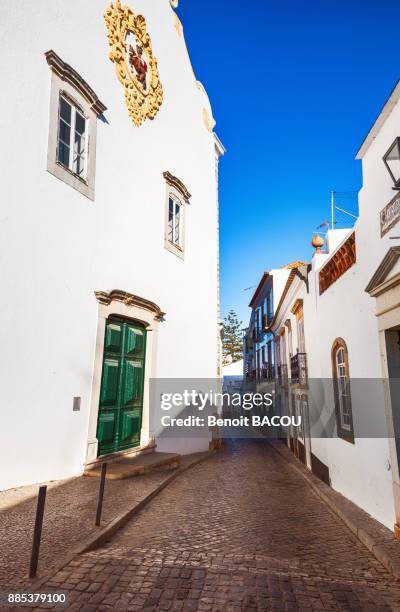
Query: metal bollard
x: 101, y: 493
x: 37, y: 534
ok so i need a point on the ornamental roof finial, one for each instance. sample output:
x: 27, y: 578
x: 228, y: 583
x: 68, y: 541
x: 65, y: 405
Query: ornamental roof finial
x: 317, y: 242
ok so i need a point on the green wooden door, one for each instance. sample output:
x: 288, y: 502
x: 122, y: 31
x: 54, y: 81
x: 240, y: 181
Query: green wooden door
x: 121, y: 395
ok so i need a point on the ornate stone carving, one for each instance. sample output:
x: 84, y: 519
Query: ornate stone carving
x: 341, y: 261
x: 297, y: 308
x: 71, y: 76
x: 384, y: 269
x: 106, y: 297
x: 136, y: 69
x: 173, y: 181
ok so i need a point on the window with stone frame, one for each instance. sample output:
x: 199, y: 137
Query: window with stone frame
x: 175, y: 215
x: 74, y: 112
x: 72, y: 137
x: 342, y: 390
x: 174, y: 221
x: 283, y: 346
x: 300, y: 334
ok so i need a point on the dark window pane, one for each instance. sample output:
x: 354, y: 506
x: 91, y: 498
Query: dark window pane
x: 65, y: 132
x: 65, y: 110
x: 63, y: 154
x: 80, y: 123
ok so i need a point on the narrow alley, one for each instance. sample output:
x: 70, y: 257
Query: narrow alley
x: 240, y: 531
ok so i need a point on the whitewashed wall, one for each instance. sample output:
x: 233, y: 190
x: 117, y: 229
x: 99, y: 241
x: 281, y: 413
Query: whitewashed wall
x: 359, y: 471
x: 57, y: 247
x: 362, y: 472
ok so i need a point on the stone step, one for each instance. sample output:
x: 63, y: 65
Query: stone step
x: 131, y: 467
x: 131, y: 453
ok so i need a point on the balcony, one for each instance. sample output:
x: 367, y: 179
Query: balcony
x: 267, y: 372
x: 266, y: 320
x: 256, y: 335
x: 283, y: 374
x: 298, y: 367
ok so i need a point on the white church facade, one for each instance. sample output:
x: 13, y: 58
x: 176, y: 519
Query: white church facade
x: 109, y: 233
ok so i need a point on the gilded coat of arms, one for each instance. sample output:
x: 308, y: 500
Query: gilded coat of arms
x: 135, y: 64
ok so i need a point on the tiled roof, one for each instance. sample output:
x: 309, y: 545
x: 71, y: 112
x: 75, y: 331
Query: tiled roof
x: 295, y: 264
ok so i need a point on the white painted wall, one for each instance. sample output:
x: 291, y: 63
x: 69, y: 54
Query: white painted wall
x: 280, y: 277
x: 233, y: 369
x: 359, y: 471
x: 57, y: 247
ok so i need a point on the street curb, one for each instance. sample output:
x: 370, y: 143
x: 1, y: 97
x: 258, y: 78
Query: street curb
x: 100, y: 537
x: 324, y: 492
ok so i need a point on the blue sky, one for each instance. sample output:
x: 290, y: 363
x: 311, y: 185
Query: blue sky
x: 294, y: 86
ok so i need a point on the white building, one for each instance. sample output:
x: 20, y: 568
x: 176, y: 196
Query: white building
x: 339, y: 356
x: 233, y: 376
x: 380, y: 206
x: 109, y: 233
x: 343, y: 437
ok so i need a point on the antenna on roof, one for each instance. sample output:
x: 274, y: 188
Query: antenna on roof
x: 346, y: 212
x: 342, y: 194
x: 323, y: 224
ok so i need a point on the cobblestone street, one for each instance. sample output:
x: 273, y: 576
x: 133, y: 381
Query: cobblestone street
x: 241, y: 531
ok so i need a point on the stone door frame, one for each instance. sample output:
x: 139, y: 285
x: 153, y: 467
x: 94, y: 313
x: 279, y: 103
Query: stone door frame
x: 128, y: 306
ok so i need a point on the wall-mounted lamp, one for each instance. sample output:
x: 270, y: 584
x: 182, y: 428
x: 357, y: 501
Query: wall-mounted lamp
x: 392, y: 162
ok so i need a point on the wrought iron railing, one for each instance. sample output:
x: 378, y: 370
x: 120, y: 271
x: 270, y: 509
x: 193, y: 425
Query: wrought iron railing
x: 298, y: 369
x: 256, y: 335
x: 267, y: 372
